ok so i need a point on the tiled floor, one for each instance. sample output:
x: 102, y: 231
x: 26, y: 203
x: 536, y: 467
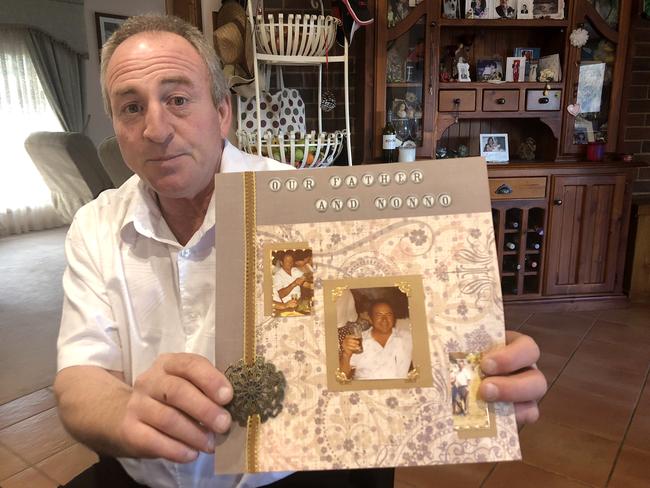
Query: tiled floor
x: 594, y: 430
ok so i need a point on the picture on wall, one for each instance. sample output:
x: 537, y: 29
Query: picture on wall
x: 494, y: 148
x: 105, y: 25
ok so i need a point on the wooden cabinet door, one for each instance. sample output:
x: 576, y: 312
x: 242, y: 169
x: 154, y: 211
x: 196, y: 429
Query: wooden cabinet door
x: 585, y: 224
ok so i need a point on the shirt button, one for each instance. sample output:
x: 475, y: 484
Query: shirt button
x: 185, y: 253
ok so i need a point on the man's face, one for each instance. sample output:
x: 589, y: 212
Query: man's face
x: 287, y: 262
x: 169, y: 131
x: 382, y: 318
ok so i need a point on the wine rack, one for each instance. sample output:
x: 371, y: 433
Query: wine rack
x: 519, y: 230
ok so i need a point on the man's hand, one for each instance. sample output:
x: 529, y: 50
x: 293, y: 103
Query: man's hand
x: 174, y: 407
x: 350, y: 346
x: 514, y: 377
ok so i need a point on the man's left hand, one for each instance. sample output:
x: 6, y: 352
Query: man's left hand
x: 512, y: 376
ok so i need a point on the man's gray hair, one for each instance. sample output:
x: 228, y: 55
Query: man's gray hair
x: 165, y: 23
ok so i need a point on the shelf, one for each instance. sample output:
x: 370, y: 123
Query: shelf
x: 512, y: 23
x: 405, y: 84
x: 532, y: 251
x: 299, y: 60
x: 529, y: 85
x: 510, y: 253
x: 531, y: 273
x: 508, y: 273
x: 511, y: 231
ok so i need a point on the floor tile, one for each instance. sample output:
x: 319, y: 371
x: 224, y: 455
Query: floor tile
x: 67, y: 464
x: 570, y: 323
x: 10, y: 464
x: 514, y: 473
x: 628, y: 335
x: 635, y: 315
x: 551, y: 340
x: 631, y: 470
x: 515, y: 318
x: 37, y: 437
x: 29, y: 478
x: 568, y: 452
x: 638, y: 435
x: 451, y: 476
x: 551, y: 365
x: 599, y: 353
x: 25, y: 407
x: 604, y: 416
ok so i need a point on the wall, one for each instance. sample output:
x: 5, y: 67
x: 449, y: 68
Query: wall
x: 636, y: 123
x: 52, y: 16
x: 99, y: 125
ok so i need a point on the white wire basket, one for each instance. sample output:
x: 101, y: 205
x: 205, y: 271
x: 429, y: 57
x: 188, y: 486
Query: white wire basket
x: 311, y: 150
x: 297, y: 35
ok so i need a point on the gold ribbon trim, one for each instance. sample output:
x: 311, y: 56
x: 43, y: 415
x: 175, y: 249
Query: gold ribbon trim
x: 249, y: 308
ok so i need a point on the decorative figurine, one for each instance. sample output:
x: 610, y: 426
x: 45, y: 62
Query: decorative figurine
x: 441, y: 152
x: 527, y: 149
x: 463, y: 151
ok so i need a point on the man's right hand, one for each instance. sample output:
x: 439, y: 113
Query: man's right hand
x: 350, y: 345
x: 175, y: 406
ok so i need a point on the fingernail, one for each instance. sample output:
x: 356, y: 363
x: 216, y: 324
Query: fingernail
x: 222, y: 422
x: 224, y: 395
x: 191, y: 455
x: 489, y: 392
x: 211, y: 442
x: 489, y: 366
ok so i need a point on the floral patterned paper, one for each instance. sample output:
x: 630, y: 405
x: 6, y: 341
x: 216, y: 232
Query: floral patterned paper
x: 319, y: 429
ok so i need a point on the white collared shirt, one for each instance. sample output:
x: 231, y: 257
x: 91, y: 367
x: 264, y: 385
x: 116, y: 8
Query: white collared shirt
x: 282, y: 279
x: 378, y: 362
x: 132, y: 292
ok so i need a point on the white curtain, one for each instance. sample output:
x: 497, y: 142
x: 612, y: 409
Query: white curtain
x: 25, y: 200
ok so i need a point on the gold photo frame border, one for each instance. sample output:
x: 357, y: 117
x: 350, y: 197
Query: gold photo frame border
x: 267, y: 283
x: 420, y: 333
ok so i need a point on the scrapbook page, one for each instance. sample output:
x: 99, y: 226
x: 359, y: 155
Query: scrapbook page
x: 352, y: 308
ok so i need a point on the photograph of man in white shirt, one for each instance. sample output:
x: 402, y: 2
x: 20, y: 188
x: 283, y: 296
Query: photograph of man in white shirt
x: 382, y: 352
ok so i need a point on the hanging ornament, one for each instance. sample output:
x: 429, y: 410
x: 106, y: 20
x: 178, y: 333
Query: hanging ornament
x: 327, y: 99
x: 579, y: 37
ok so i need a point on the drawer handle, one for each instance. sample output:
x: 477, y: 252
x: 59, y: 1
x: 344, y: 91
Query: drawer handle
x: 456, y: 101
x: 501, y: 101
x: 503, y: 190
x: 543, y: 100
x: 557, y: 202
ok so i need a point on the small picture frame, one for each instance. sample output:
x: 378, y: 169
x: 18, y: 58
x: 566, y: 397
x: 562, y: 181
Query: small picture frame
x: 530, y: 53
x: 463, y: 72
x: 549, y: 69
x: 525, y: 9
x: 532, y: 71
x: 494, y: 148
x: 505, y: 9
x: 516, y: 69
x: 105, y: 25
x: 288, y: 279
x: 489, y: 70
x: 548, y: 9
x: 451, y: 9
x: 478, y: 9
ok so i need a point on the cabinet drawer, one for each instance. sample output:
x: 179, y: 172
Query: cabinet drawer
x: 517, y: 188
x: 536, y: 100
x: 500, y: 100
x: 457, y: 100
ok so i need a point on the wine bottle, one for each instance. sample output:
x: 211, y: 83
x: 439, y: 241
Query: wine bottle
x: 536, y: 245
x: 510, y: 245
x: 512, y: 224
x: 538, y: 230
x: 389, y: 140
x: 531, y: 263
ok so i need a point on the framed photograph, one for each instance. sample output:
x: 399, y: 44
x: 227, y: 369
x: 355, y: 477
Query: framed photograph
x: 549, y: 69
x: 477, y: 9
x: 288, y: 279
x: 516, y: 69
x: 531, y: 54
x: 463, y: 72
x: 505, y: 9
x: 490, y: 69
x: 105, y: 25
x: 590, y: 87
x: 548, y: 9
x: 494, y: 148
x: 451, y: 9
x: 525, y: 9
x: 468, y: 410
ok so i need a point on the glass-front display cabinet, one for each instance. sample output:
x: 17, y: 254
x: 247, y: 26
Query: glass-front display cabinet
x: 403, y: 84
x: 597, y: 56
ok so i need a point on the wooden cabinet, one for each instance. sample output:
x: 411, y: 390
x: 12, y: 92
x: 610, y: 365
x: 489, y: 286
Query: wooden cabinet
x: 585, y: 229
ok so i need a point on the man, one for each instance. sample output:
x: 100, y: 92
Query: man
x: 504, y: 10
x: 383, y: 353
x: 136, y: 348
x: 288, y: 279
x: 463, y: 379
